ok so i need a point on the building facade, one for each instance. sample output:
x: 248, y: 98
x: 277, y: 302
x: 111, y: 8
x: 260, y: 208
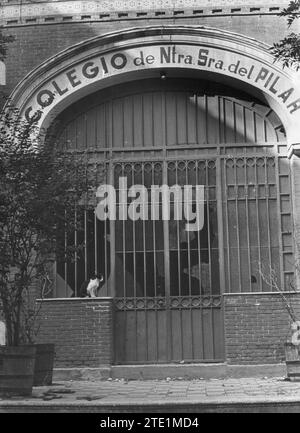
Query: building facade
x: 169, y: 93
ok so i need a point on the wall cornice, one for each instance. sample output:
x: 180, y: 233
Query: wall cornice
x: 47, y: 12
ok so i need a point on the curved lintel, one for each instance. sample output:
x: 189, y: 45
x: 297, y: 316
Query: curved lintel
x: 135, y: 53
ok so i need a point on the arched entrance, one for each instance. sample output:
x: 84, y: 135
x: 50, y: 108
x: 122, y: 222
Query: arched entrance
x: 168, y: 283
x: 214, y: 121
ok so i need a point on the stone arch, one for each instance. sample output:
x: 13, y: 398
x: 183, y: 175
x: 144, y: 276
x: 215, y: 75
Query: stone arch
x: 157, y: 50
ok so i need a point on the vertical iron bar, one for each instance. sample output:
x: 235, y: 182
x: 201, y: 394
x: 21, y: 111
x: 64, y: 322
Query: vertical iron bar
x: 247, y: 223
x: 66, y: 259
x: 227, y: 223
x: 206, y: 118
x: 167, y: 265
x: 112, y: 240
x: 196, y: 114
x: 154, y: 259
x: 220, y: 227
x: 277, y: 171
x: 220, y: 231
x: 145, y: 271
x: 134, y: 268
x: 85, y: 245
x: 237, y: 225
x: 208, y: 186
x: 76, y: 254
x: 257, y: 219
x: 106, y: 276
x: 95, y: 242
x: 178, y: 235
x: 267, y: 193
x: 198, y: 238
x: 124, y: 240
x: 188, y: 233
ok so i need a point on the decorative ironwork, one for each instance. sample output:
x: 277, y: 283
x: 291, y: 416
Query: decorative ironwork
x: 174, y: 302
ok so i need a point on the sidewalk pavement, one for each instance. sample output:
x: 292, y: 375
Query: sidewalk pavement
x: 214, y: 395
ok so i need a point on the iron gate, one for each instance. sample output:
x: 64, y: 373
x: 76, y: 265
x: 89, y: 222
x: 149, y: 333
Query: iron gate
x: 167, y: 287
x: 167, y: 284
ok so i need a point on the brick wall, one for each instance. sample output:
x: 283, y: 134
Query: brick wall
x: 81, y: 330
x: 36, y: 43
x: 256, y: 327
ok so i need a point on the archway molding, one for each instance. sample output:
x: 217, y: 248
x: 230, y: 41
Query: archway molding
x: 161, y: 51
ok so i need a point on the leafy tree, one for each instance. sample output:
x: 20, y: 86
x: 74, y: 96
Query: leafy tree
x: 4, y: 41
x: 41, y: 187
x: 288, y: 49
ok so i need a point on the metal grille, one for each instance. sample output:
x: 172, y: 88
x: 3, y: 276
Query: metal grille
x: 247, y: 213
x: 167, y: 283
x: 157, y: 257
x: 168, y: 303
x: 256, y: 202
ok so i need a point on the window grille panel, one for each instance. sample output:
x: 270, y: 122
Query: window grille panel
x: 257, y: 229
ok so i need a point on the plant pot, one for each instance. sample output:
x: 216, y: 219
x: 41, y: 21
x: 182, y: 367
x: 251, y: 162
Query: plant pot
x: 44, y: 361
x: 292, y: 360
x: 17, y: 370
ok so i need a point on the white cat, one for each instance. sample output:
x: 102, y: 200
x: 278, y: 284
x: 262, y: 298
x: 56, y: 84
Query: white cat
x: 2, y: 334
x: 93, y: 286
